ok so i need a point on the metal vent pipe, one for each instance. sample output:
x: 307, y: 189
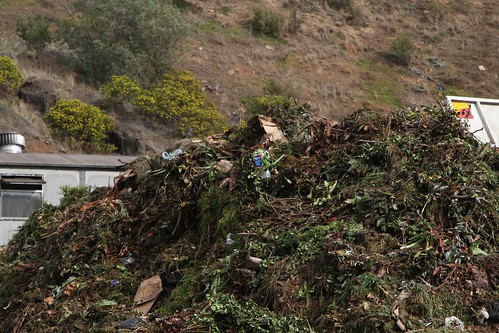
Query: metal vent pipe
x: 11, y: 142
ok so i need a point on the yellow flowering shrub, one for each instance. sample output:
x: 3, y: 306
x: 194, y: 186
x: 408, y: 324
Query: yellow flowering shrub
x: 121, y: 87
x: 10, y: 74
x: 178, y: 99
x: 81, y: 124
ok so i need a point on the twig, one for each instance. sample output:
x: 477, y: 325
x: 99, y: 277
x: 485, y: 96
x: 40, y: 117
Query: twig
x: 368, y: 141
x: 178, y: 221
x: 478, y: 130
x: 440, y: 103
x: 426, y: 283
x: 389, y: 125
x: 446, y: 278
x: 19, y: 323
x: 309, y: 327
x: 247, y: 234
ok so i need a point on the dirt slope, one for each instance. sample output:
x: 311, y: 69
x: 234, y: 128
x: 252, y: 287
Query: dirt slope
x: 336, y: 59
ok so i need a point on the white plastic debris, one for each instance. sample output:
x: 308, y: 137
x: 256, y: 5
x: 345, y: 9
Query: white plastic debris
x: 482, y: 315
x: 229, y: 241
x: 253, y: 262
x: 454, y: 322
x: 265, y: 174
x: 128, y: 260
x: 170, y: 156
x: 482, y: 68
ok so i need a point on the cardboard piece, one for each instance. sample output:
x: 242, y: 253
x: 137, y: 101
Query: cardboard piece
x: 272, y: 131
x: 147, y: 293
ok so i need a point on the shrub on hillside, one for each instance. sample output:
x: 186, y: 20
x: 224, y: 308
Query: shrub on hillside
x: 402, y: 50
x: 294, y: 22
x: 138, y: 38
x: 121, y: 88
x: 267, y: 105
x: 82, y: 124
x: 267, y: 22
x: 10, y: 74
x: 177, y: 100
x: 339, y: 4
x: 274, y: 87
x: 35, y: 32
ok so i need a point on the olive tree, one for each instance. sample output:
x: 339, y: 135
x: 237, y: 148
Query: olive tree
x: 139, y: 38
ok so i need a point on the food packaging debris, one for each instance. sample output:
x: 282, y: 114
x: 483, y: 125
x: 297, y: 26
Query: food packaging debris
x: 260, y: 157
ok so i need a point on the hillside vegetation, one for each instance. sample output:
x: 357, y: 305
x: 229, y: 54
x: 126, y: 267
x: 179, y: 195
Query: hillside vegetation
x: 339, y: 55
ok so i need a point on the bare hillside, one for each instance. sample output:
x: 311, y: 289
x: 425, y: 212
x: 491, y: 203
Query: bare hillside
x: 336, y: 58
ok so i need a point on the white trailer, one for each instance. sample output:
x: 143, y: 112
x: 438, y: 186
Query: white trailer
x: 29, y: 180
x: 480, y: 114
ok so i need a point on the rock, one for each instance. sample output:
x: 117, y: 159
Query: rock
x: 37, y: 94
x: 131, y: 323
x: 415, y: 70
x: 126, y: 144
x: 435, y: 62
x: 419, y: 89
x: 171, y: 279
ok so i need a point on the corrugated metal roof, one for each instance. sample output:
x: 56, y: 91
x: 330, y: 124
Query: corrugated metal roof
x: 64, y: 161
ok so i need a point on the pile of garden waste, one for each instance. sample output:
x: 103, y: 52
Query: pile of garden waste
x: 378, y: 223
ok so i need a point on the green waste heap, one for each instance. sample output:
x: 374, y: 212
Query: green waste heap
x: 376, y: 224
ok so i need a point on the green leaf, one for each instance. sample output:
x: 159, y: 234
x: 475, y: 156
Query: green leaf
x: 476, y: 251
x: 106, y: 302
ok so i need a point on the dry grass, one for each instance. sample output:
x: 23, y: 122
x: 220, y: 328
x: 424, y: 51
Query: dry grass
x: 30, y: 70
x: 28, y: 112
x: 11, y: 46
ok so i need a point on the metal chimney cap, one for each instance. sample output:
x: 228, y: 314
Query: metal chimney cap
x: 12, y: 142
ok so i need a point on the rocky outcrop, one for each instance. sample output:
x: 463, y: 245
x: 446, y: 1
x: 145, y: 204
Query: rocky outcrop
x: 38, y: 93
